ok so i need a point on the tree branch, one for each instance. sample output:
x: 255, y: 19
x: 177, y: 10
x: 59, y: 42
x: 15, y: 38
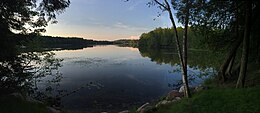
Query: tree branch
x: 162, y: 5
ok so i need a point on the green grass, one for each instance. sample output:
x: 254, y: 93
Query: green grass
x: 218, y: 101
x: 10, y: 104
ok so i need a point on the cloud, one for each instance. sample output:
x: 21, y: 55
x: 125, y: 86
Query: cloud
x: 121, y: 25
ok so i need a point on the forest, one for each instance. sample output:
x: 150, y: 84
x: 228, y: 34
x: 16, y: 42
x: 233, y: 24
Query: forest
x: 162, y: 38
x: 211, y: 25
x: 127, y: 42
x: 39, y: 43
x: 226, y: 28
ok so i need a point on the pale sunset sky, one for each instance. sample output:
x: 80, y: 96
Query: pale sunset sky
x: 107, y: 20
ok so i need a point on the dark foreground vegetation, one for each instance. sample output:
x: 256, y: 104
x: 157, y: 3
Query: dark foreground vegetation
x: 18, y: 105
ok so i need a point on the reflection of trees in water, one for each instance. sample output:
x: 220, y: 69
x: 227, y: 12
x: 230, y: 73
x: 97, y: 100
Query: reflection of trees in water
x: 197, y: 59
x: 23, y: 72
x: 201, y: 64
x: 195, y: 76
x: 37, y: 75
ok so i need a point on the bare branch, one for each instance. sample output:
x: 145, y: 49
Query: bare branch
x: 161, y: 4
x: 167, y: 5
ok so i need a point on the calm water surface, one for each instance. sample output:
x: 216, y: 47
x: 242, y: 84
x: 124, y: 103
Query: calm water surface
x: 126, y: 79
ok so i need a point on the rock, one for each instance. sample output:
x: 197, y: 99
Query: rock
x: 172, y: 94
x: 177, y: 98
x: 52, y: 110
x: 164, y: 102
x: 143, y: 108
x: 182, y: 89
x: 173, y: 101
x: 126, y: 111
x: 158, y: 104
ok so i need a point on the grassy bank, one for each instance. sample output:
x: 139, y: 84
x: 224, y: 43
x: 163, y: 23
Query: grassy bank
x: 218, y: 100
x: 11, y: 104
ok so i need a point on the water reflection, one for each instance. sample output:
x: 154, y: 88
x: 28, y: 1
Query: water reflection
x: 33, y: 74
x: 129, y: 77
x: 100, y: 78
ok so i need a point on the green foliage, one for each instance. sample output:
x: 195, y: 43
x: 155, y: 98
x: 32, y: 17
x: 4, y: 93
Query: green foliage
x: 43, y: 43
x: 126, y: 42
x: 19, y: 14
x: 164, y: 38
x: 218, y: 101
x: 220, y: 22
x: 158, y: 38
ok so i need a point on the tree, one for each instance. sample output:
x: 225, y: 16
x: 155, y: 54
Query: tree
x: 185, y: 47
x: 29, y: 16
x: 245, y: 50
x: 25, y: 17
x: 165, y: 6
x: 227, y: 25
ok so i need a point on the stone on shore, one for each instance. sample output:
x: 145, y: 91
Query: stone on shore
x: 144, y: 108
x: 173, y: 94
x: 163, y: 102
x: 52, y: 110
x: 126, y: 111
x: 177, y: 98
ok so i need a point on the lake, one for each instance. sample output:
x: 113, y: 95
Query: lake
x: 124, y: 76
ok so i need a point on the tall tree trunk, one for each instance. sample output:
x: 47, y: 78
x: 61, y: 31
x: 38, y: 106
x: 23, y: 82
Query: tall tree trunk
x: 167, y: 7
x: 225, y: 67
x: 244, y: 58
x: 185, y: 51
x: 175, y: 32
x: 257, y: 60
x: 228, y: 58
x: 181, y: 55
x: 236, y: 69
x: 230, y: 66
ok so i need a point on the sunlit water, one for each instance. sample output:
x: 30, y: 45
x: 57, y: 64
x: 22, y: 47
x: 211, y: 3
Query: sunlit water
x: 125, y: 78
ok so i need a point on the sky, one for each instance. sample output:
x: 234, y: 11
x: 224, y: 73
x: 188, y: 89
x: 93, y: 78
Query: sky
x: 107, y: 20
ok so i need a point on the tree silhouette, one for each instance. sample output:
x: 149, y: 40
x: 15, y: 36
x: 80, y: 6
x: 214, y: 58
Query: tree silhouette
x: 29, y: 16
x: 25, y: 17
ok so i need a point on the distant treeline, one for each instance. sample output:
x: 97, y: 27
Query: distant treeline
x: 49, y: 42
x: 126, y: 42
x: 164, y: 38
